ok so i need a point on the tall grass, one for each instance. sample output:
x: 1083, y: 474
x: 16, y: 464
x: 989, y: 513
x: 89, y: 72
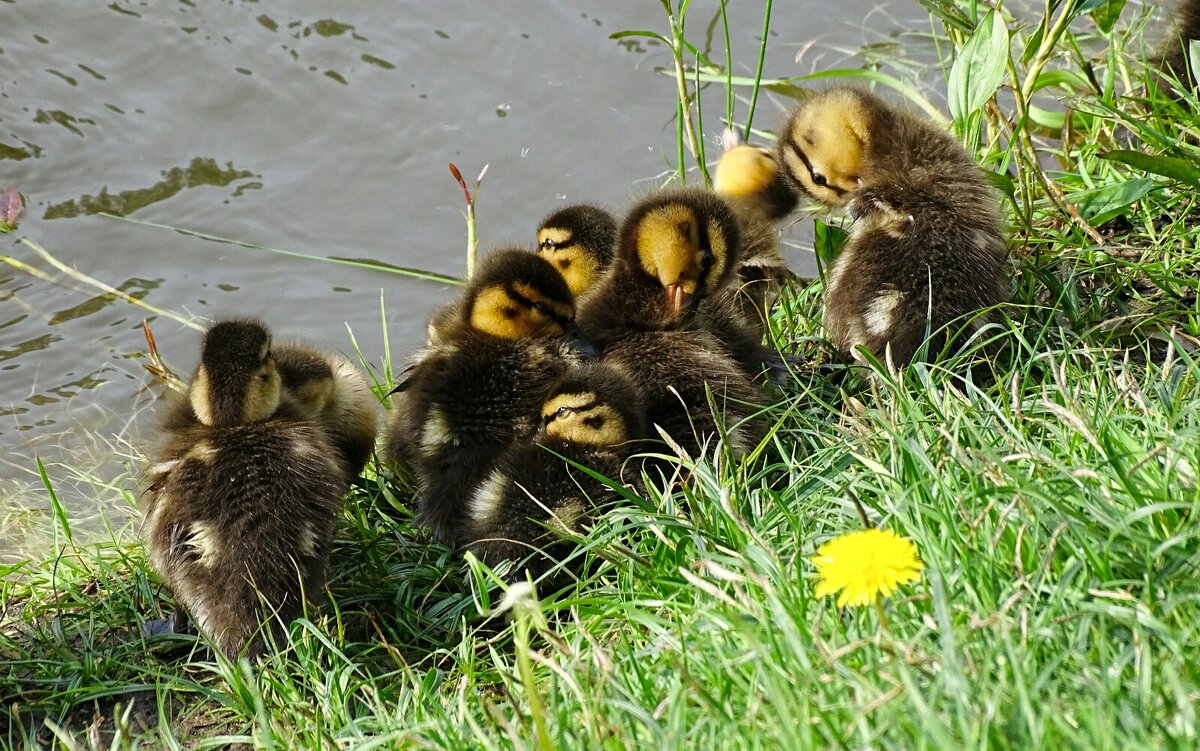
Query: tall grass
x: 1054, y: 506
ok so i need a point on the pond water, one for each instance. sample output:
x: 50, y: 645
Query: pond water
x: 319, y: 129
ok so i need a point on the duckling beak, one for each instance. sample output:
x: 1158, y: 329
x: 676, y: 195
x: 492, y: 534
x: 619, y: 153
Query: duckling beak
x: 578, y: 342
x: 677, y: 296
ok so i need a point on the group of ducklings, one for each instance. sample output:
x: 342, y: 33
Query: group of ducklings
x: 609, y: 335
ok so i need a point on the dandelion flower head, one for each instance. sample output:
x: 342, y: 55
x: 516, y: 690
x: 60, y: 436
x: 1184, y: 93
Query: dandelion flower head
x: 860, y: 566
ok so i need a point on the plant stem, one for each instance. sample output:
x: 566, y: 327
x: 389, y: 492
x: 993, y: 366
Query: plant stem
x: 728, y: 67
x: 762, y: 56
x: 109, y: 289
x: 472, y: 241
x: 685, y: 101
x: 883, y: 621
x: 525, y: 669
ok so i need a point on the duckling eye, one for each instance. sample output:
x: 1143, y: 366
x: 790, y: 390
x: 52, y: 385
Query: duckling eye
x: 819, y: 179
x: 541, y: 308
x: 706, y: 260
x: 563, y: 411
x: 548, y: 245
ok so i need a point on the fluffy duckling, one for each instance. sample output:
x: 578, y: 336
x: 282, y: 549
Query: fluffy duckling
x: 749, y: 179
x: 676, y: 268
x: 661, y: 316
x: 593, y: 417
x: 244, y: 495
x: 1172, y: 57
x: 467, y: 398
x: 927, y: 246
x: 579, y: 241
x: 332, y: 391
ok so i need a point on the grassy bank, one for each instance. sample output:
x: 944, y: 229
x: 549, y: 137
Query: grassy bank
x: 1054, y: 505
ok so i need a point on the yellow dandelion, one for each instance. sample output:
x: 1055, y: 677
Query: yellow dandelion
x: 863, y: 565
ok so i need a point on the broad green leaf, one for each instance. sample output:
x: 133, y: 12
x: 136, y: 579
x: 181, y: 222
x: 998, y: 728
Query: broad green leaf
x: 1104, y: 12
x: 979, y: 69
x: 1052, y: 119
x: 1033, y: 43
x: 1167, y: 166
x: 1069, y: 78
x: 828, y: 241
x: 1101, y: 204
x: 789, y: 90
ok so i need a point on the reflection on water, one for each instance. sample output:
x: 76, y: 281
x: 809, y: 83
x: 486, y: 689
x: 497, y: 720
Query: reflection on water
x: 325, y: 136
x: 44, y: 117
x: 199, y: 172
x: 35, y: 344
x: 135, y: 288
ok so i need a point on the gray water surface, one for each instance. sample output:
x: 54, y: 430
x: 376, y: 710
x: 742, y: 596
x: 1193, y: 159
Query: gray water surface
x: 319, y: 128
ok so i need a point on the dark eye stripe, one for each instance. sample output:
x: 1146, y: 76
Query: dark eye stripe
x: 522, y: 299
x: 584, y: 407
x: 799, y: 152
x: 581, y: 408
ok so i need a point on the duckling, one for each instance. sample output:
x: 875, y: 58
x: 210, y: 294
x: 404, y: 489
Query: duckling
x: 244, y: 494
x: 579, y: 241
x: 593, y: 417
x: 678, y: 253
x: 927, y: 245
x: 469, y: 397
x: 749, y: 179
x: 332, y: 392
x: 662, y: 316
x: 1172, y: 57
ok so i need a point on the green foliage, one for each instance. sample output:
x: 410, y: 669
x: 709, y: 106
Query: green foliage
x: 827, y: 242
x: 1183, y: 170
x: 1101, y: 204
x: 979, y: 68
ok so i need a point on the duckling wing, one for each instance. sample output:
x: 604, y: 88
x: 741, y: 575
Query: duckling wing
x: 534, y: 501
x: 677, y: 372
x: 924, y: 253
x: 464, y: 409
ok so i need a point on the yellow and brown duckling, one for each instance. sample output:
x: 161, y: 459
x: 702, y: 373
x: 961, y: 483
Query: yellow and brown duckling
x: 332, y: 391
x: 749, y: 177
x: 676, y: 269
x: 579, y: 240
x: 750, y: 181
x: 243, y: 497
x: 534, y: 499
x: 468, y: 398
x: 654, y: 317
x: 927, y: 250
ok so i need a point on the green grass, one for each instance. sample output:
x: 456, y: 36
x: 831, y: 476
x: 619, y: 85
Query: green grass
x: 1055, y: 507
